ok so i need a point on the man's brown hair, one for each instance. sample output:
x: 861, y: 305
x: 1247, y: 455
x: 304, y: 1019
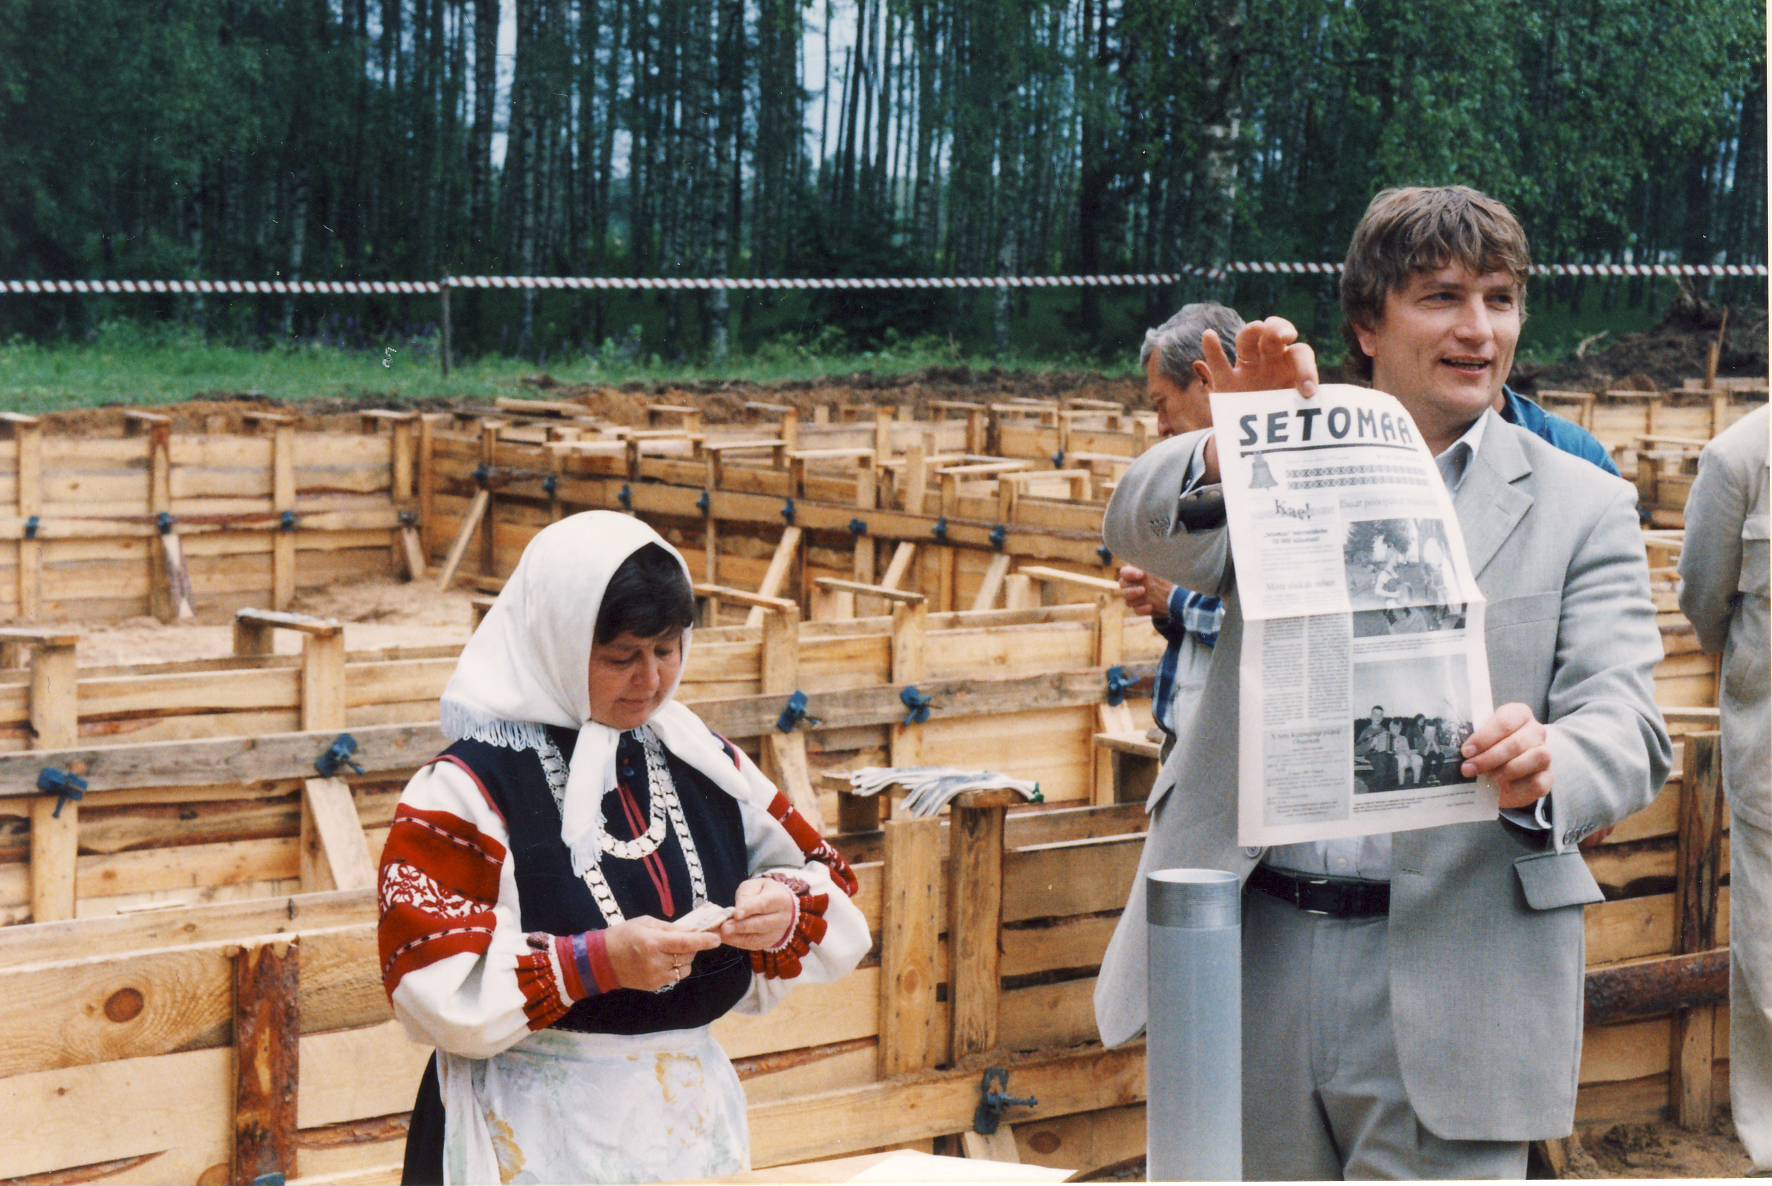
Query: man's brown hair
x: 1422, y: 229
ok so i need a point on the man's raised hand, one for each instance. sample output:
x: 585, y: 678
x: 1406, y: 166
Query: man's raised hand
x: 1269, y: 357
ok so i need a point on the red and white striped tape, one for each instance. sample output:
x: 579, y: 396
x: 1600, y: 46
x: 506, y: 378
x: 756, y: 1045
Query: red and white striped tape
x: 232, y: 287
x: 743, y: 283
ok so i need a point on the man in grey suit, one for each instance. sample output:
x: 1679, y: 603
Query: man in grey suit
x: 1412, y: 1002
x: 1723, y: 590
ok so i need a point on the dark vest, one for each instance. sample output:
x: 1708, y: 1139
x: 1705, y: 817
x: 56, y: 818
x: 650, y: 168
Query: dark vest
x: 552, y: 900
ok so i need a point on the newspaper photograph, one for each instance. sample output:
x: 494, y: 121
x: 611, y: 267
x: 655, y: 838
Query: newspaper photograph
x: 1363, y: 665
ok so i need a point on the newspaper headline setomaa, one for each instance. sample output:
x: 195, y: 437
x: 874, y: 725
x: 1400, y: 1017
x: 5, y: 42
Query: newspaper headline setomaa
x: 1363, y: 666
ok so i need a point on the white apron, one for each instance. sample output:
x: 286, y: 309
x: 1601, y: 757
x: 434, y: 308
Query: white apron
x: 562, y: 1106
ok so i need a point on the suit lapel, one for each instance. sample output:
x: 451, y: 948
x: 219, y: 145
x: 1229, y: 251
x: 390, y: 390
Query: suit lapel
x: 1491, y: 501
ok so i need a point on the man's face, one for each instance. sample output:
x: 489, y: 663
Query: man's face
x: 1179, y: 409
x: 1444, y: 346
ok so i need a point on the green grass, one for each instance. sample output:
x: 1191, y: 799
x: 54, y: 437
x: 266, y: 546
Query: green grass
x: 147, y: 363
x: 126, y: 364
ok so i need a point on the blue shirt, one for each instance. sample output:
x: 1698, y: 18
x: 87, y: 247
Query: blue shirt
x: 1189, y: 613
x: 1565, y: 434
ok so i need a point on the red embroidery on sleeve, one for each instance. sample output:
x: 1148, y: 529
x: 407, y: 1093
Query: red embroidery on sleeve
x: 812, y: 845
x: 438, y: 882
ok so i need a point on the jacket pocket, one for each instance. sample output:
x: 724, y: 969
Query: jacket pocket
x: 1514, y: 611
x: 1554, y: 879
x: 1754, y: 578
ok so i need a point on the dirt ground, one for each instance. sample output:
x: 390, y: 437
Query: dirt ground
x: 376, y: 614
x: 1664, y: 357
x: 1660, y: 1151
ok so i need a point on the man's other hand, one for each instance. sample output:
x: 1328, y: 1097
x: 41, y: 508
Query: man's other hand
x: 1144, y: 593
x: 1513, y: 749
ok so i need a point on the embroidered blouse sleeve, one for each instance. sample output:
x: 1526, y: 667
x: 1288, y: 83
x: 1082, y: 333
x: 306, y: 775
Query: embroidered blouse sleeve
x: 456, y: 963
x: 831, y: 927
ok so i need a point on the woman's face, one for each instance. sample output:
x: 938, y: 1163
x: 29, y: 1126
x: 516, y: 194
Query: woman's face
x: 631, y: 676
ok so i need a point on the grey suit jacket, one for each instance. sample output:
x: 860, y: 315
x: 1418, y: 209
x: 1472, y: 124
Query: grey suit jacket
x: 1723, y: 589
x: 1487, y: 943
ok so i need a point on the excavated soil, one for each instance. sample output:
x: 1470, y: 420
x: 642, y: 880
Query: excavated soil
x: 1661, y: 358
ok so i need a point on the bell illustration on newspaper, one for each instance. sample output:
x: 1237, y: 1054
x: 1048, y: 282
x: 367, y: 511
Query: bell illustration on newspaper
x: 1260, y: 476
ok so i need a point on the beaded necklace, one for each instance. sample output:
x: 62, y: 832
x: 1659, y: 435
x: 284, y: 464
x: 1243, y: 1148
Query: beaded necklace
x: 662, y: 806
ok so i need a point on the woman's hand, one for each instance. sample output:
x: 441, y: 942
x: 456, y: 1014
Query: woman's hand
x: 648, y: 953
x: 762, y: 912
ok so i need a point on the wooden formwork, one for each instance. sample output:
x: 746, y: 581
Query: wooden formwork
x: 1620, y: 418
x: 729, y: 502
x: 106, y: 1008
x: 1021, y: 690
x: 154, y: 521
x: 256, y: 954
x: 149, y: 1020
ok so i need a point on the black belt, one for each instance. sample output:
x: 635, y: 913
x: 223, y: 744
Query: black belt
x: 1339, y: 897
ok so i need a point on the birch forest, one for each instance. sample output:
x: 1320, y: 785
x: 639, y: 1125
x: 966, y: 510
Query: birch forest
x: 414, y: 139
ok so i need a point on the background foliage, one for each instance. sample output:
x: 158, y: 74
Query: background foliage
x: 380, y: 139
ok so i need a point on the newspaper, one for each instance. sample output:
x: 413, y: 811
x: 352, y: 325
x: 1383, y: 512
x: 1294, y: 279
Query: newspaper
x: 1363, y: 664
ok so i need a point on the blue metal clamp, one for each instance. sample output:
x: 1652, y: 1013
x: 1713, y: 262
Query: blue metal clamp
x: 918, y: 703
x: 1118, y: 684
x: 338, y: 754
x: 993, y: 1101
x: 63, y: 785
x: 795, y: 713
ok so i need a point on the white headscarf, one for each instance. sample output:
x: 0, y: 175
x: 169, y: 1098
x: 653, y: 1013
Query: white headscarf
x: 528, y: 665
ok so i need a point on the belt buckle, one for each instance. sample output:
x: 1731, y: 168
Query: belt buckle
x: 1298, y: 895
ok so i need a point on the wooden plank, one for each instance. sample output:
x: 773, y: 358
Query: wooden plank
x: 909, y: 927
x: 469, y: 524
x: 992, y: 585
x: 107, y: 1008
x: 334, y: 853
x: 177, y: 576
x: 1660, y: 984
x: 29, y: 498
x: 55, y: 826
x: 283, y: 576
x: 1089, y: 1143
x: 910, y: 627
x: 267, y: 1060
x: 938, y: 1103
x: 323, y: 681
x: 975, y: 924
x: 996, y: 1146
x: 1702, y: 812
x: 780, y: 564
x: 179, y: 1112
x: 784, y: 754
x: 812, y: 1015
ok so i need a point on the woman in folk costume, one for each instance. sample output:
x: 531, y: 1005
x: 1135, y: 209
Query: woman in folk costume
x: 532, y: 868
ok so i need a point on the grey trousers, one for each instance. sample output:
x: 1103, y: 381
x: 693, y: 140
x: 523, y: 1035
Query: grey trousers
x: 1323, y: 1095
x: 1750, y: 988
